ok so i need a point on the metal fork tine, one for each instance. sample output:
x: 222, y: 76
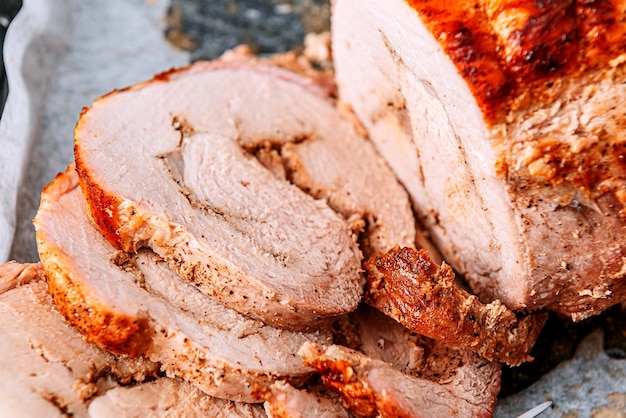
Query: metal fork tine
x: 536, y: 410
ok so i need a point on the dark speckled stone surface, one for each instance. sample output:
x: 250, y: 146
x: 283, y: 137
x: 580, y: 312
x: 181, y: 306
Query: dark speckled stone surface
x: 208, y: 27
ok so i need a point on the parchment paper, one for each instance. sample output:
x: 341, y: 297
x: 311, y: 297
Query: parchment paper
x: 98, y: 46
x: 34, y: 40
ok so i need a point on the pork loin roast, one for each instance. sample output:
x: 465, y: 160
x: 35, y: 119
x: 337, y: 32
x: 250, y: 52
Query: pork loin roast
x: 504, y: 121
x: 457, y: 370
x: 47, y: 369
x: 373, y: 388
x: 13, y: 274
x: 185, y: 183
x: 382, y: 338
x: 138, y: 305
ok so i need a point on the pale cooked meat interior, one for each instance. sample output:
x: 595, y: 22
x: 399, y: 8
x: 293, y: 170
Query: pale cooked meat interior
x: 148, y: 309
x: 255, y: 242
x: 46, y: 366
x: 503, y: 121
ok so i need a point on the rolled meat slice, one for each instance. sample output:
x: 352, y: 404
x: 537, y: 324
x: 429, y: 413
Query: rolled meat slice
x: 170, y: 164
x: 457, y: 370
x: 374, y: 388
x: 381, y: 337
x: 13, y: 274
x: 135, y: 304
x: 286, y: 401
x: 47, y: 369
x: 504, y: 121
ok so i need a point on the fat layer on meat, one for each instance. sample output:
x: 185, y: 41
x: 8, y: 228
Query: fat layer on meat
x: 406, y: 285
x: 139, y: 306
x: 504, y: 122
x: 47, y: 369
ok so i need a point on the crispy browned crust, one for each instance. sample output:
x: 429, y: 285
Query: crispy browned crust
x: 407, y: 286
x: 101, y: 206
x: 339, y: 375
x: 348, y: 372
x: 549, y: 78
x: 107, y: 328
x: 503, y: 47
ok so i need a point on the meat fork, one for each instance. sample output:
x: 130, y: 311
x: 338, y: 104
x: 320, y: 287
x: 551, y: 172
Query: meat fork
x: 536, y: 410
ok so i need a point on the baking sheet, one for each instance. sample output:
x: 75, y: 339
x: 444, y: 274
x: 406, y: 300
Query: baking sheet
x: 61, y: 54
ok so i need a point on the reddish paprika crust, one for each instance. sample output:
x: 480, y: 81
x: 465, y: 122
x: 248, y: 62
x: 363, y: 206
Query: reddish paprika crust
x: 373, y: 388
x: 107, y: 329
x: 407, y: 286
x: 510, y: 119
x: 505, y: 48
x: 102, y: 207
x: 102, y: 325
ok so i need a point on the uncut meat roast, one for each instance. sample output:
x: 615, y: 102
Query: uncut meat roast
x: 504, y: 121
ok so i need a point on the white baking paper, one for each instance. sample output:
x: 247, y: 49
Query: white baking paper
x: 84, y: 48
x: 33, y: 42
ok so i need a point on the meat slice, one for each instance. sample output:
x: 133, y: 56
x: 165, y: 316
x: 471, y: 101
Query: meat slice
x: 374, y: 388
x: 13, y: 274
x: 504, y: 122
x: 286, y: 401
x: 136, y: 305
x: 383, y: 338
x: 346, y: 171
x: 462, y: 371
x: 166, y: 397
x: 47, y: 369
x: 406, y: 285
x: 194, y: 193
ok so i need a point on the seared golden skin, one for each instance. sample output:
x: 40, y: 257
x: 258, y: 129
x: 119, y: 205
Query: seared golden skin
x: 503, y: 47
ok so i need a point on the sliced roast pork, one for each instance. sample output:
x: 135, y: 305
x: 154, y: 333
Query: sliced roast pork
x: 383, y: 338
x: 462, y: 372
x: 504, y: 121
x: 47, y: 369
x: 406, y: 285
x: 135, y: 304
x: 373, y: 388
x: 192, y: 190
x: 170, y: 398
x: 286, y: 401
x: 346, y: 171
x: 13, y: 274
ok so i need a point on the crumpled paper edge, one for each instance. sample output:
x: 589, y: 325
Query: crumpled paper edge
x: 33, y: 42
